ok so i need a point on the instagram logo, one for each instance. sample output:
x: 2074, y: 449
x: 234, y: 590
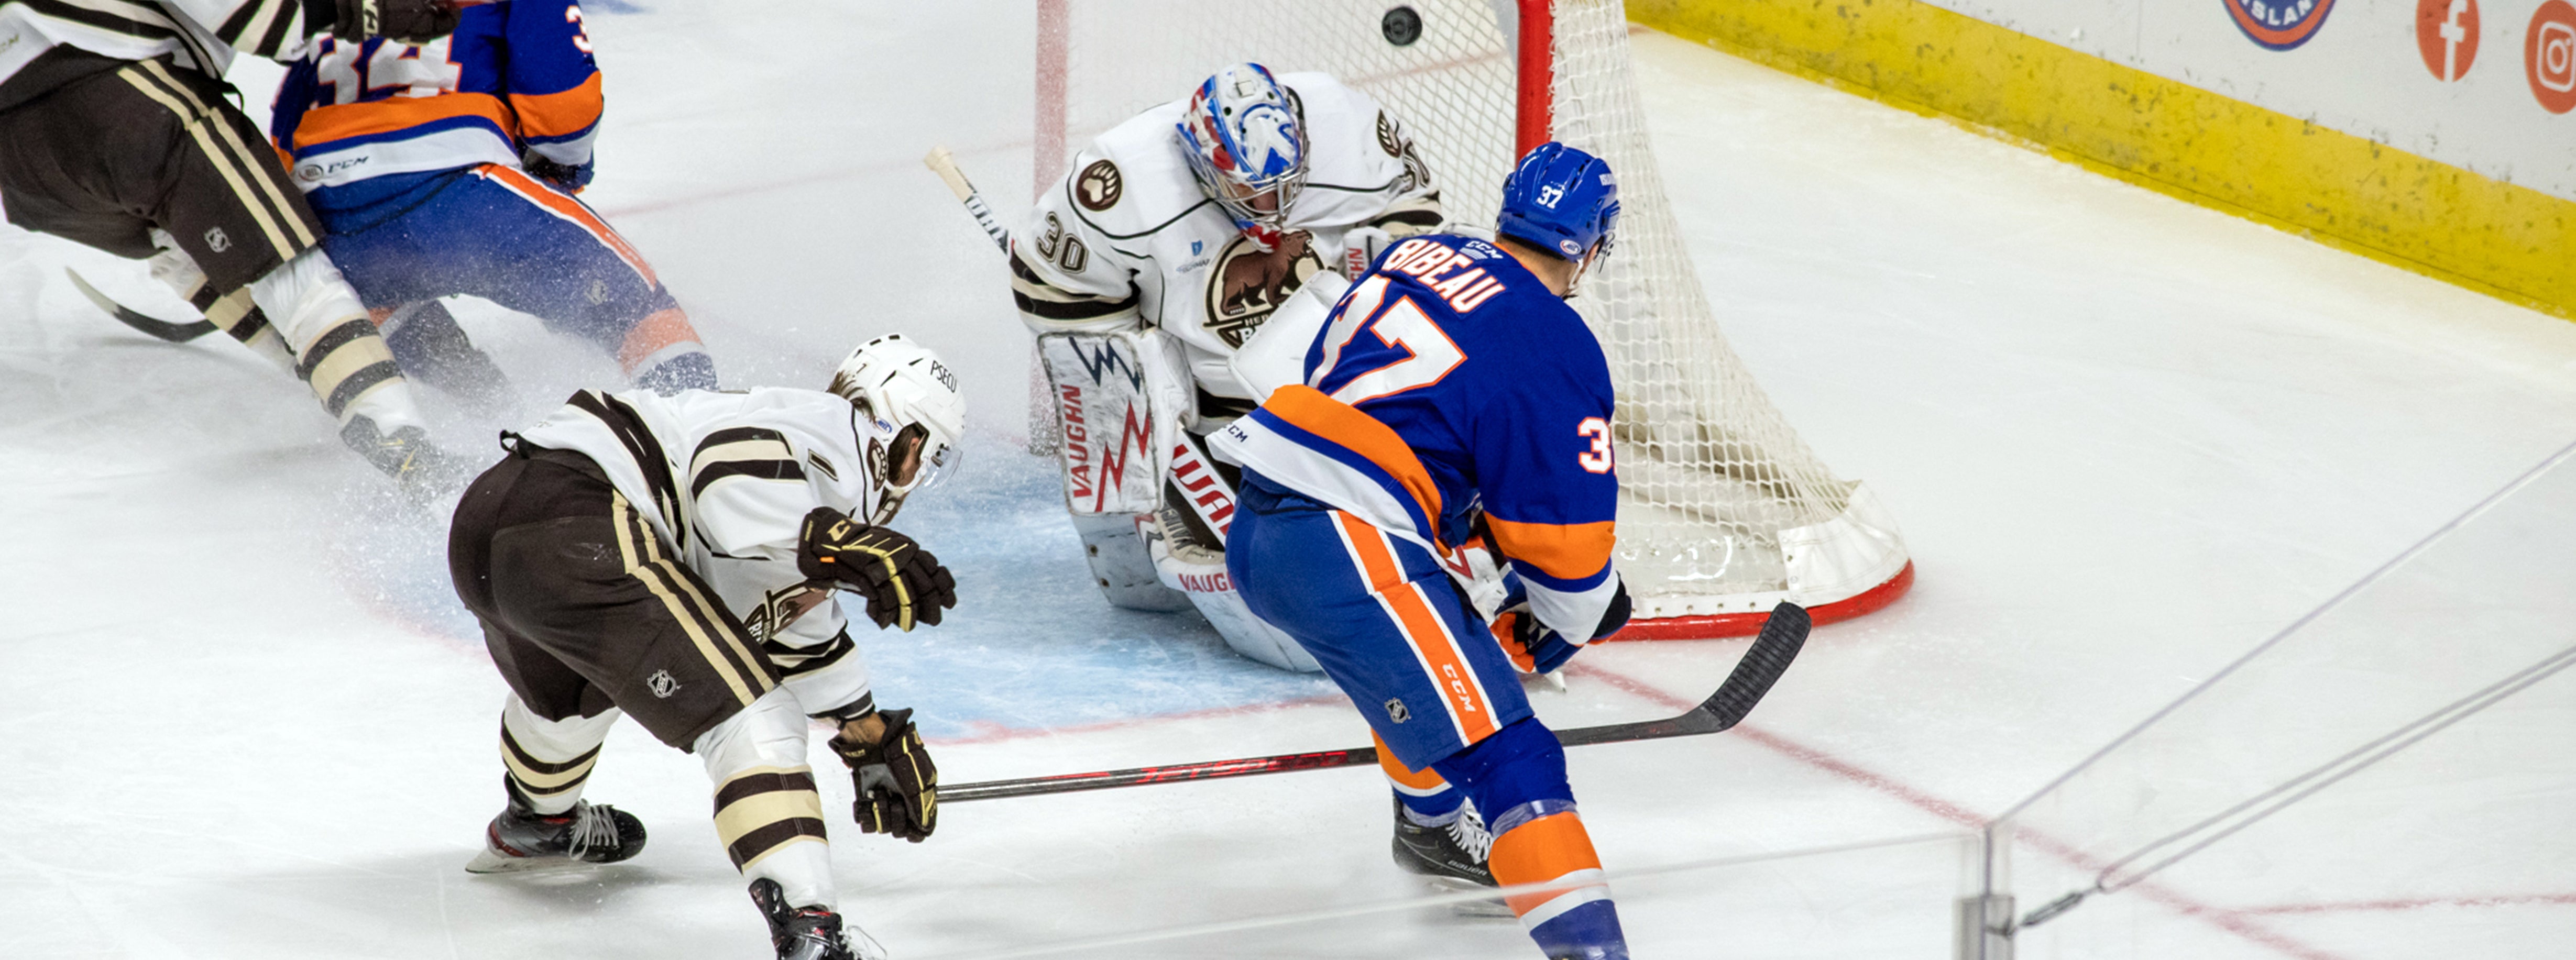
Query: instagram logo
x: 2550, y: 54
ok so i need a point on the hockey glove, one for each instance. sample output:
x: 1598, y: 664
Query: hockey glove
x: 414, y: 22
x: 1360, y: 248
x: 898, y: 786
x: 1535, y: 648
x: 903, y: 583
x: 1532, y: 646
x: 567, y: 176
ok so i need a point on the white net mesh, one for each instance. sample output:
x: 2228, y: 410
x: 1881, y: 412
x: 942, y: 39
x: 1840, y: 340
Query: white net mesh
x: 1711, y: 472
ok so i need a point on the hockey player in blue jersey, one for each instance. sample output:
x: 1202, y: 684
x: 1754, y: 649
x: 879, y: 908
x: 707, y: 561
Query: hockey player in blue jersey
x: 1453, y: 395
x: 450, y: 167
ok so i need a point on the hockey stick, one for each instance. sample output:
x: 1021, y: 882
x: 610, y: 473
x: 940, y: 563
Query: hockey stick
x: 173, y: 332
x: 1782, y: 636
x: 945, y: 166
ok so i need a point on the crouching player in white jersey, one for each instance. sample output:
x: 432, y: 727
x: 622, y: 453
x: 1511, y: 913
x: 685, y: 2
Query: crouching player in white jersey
x: 674, y: 559
x: 1454, y: 379
x: 1175, y: 236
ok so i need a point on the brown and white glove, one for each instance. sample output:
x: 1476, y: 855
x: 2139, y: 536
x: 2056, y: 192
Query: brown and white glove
x: 414, y: 22
x: 903, y: 583
x: 898, y: 786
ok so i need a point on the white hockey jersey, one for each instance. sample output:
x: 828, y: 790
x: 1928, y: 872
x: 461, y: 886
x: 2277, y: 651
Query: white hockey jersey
x: 1130, y: 239
x: 198, y: 34
x: 727, y: 477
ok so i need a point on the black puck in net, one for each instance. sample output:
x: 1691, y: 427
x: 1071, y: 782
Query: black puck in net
x: 1401, y: 26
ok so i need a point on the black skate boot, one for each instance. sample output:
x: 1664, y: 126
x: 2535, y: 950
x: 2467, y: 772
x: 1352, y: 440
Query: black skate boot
x: 521, y: 839
x: 1451, y: 857
x: 809, y: 933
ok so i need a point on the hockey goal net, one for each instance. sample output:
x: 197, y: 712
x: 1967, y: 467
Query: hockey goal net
x: 1726, y: 511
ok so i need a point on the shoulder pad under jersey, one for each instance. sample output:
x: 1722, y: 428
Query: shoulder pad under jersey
x: 1359, y: 159
x: 1132, y: 181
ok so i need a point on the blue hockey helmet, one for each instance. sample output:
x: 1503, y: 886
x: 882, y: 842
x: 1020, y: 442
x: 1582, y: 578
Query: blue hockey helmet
x: 1561, y: 200
x: 1247, y: 145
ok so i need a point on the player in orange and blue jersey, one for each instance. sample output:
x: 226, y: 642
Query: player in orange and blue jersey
x: 1452, y: 388
x: 450, y: 168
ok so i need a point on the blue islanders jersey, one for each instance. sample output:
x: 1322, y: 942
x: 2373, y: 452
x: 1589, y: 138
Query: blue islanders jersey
x: 1446, y: 380
x: 516, y: 76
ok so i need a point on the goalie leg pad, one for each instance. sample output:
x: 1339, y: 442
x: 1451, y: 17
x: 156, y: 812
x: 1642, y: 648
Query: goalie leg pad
x: 1114, y: 545
x: 1118, y: 397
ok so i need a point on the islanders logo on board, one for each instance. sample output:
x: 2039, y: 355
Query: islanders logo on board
x: 2279, y: 24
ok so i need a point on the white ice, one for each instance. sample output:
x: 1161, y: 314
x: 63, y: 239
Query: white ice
x: 2127, y: 437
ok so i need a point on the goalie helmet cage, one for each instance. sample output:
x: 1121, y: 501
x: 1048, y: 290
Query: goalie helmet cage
x: 1725, y: 511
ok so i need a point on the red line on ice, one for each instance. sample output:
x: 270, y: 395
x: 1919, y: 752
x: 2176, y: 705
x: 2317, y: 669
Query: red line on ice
x: 2387, y: 906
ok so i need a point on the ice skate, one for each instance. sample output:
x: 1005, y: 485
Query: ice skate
x: 810, y: 933
x: 522, y: 840
x: 1450, y: 857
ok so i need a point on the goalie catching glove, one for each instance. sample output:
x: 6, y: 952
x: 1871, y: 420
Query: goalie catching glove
x: 902, y: 582
x: 898, y: 786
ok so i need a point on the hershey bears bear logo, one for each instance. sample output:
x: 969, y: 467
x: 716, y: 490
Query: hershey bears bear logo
x: 1249, y: 283
x: 1099, y: 186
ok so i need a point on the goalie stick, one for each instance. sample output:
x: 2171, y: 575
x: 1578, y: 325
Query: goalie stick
x: 163, y: 329
x: 940, y: 162
x: 1782, y: 637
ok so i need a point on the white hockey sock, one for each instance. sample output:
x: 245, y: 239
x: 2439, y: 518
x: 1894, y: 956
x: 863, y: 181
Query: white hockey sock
x: 550, y: 760
x: 768, y: 814
x: 336, y: 347
x: 178, y: 271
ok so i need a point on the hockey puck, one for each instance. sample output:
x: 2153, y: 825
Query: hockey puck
x: 1401, y: 26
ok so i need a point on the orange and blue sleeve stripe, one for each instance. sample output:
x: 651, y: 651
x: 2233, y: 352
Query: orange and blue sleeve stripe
x: 1356, y: 441
x: 1567, y: 557
x: 553, y: 80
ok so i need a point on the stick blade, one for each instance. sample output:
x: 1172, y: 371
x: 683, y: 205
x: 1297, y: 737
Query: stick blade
x: 161, y: 329
x: 1782, y: 637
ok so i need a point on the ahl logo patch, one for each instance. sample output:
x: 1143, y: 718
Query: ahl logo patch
x: 662, y: 684
x: 2279, y: 24
x: 1099, y: 186
x: 1249, y: 283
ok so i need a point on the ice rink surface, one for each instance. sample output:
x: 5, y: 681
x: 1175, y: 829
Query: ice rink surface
x: 240, y: 716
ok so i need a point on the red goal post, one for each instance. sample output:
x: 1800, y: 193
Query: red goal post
x: 1725, y: 511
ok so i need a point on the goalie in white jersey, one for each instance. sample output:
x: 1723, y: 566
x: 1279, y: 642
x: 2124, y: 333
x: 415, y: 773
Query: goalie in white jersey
x: 1177, y: 234
x: 675, y: 559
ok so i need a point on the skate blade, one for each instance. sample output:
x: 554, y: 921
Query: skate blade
x: 494, y: 861
x: 1481, y: 909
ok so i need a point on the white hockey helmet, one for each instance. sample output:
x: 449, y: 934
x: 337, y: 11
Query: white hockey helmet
x: 905, y: 388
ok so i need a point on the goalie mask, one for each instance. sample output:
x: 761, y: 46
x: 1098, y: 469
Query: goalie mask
x: 1246, y: 144
x: 913, y: 396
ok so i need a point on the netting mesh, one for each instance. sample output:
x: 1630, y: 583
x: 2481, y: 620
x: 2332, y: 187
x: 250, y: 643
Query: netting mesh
x: 1710, y: 470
